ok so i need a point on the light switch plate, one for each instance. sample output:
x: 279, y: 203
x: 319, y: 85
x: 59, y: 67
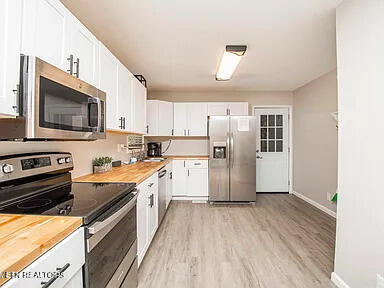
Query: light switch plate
x: 380, y: 281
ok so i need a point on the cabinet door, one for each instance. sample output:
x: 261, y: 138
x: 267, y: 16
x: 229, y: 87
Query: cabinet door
x: 197, y: 119
x: 153, y: 117
x: 217, y: 109
x: 238, y: 108
x: 180, y: 125
x: 179, y: 178
x: 140, y: 106
x: 46, y: 31
x: 142, y: 220
x: 10, y: 45
x: 124, y: 98
x: 197, y: 182
x: 165, y: 118
x: 109, y: 83
x: 85, y: 49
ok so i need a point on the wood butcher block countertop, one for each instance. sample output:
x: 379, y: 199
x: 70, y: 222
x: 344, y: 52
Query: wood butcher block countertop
x: 134, y: 173
x: 24, y: 238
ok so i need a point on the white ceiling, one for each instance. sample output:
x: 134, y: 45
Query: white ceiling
x: 177, y: 44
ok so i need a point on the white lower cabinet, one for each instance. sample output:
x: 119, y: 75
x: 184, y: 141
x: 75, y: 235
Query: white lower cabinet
x: 179, y: 175
x: 68, y: 255
x: 147, y: 214
x: 190, y: 179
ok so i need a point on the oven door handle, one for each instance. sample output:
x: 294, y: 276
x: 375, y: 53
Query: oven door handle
x: 98, y: 226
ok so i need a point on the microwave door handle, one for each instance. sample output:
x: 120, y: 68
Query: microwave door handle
x: 91, y: 122
x: 98, y: 226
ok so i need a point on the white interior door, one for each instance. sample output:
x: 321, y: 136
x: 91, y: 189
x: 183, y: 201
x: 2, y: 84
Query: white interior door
x: 272, y: 146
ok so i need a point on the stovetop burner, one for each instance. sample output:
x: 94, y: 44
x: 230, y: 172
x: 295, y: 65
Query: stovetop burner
x: 86, y: 200
x: 34, y: 203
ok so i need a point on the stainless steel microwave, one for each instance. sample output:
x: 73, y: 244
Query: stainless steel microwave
x: 54, y: 105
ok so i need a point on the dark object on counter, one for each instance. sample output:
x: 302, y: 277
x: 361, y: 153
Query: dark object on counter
x: 154, y: 149
x: 116, y: 163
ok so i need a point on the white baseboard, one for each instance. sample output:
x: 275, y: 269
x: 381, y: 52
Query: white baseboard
x: 193, y: 199
x: 314, y: 203
x: 338, y: 281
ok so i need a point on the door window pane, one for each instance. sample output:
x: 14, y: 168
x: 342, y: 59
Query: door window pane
x: 271, y: 120
x: 264, y: 133
x: 271, y: 133
x: 263, y: 120
x: 279, y: 146
x: 271, y: 146
x: 279, y: 120
x: 279, y: 133
x: 264, y: 146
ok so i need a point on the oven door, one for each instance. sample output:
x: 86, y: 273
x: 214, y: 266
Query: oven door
x: 64, y: 106
x: 111, y: 246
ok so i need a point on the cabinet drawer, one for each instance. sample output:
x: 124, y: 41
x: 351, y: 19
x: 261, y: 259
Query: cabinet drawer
x: 69, y: 251
x: 196, y: 164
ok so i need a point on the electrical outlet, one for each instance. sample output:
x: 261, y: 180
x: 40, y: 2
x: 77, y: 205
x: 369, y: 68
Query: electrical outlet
x: 380, y: 281
x: 329, y: 196
x: 118, y: 147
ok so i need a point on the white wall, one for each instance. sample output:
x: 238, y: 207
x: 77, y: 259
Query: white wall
x: 360, y: 218
x: 315, y: 140
x: 82, y: 152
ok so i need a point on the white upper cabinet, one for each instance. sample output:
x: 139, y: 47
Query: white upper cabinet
x: 84, y: 48
x: 46, y: 27
x: 180, y: 124
x: 10, y: 45
x: 190, y: 119
x: 140, y: 107
x: 108, y: 82
x: 228, y: 108
x: 197, y: 119
x: 153, y: 117
x: 159, y: 118
x: 217, y: 109
x: 124, y: 99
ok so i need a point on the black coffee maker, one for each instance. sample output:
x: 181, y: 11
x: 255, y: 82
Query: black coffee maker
x: 154, y: 149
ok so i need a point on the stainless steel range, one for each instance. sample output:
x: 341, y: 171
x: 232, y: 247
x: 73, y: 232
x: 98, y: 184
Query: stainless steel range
x: 40, y: 184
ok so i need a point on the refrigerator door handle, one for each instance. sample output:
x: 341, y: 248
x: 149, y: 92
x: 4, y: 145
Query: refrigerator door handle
x: 232, y: 150
x: 228, y: 149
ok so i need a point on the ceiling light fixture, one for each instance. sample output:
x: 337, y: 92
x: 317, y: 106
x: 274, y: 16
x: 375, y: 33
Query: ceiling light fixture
x: 231, y: 58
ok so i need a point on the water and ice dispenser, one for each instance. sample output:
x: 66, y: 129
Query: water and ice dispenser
x: 219, y: 150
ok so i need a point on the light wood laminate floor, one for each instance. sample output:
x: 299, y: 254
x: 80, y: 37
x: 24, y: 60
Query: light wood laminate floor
x: 279, y: 242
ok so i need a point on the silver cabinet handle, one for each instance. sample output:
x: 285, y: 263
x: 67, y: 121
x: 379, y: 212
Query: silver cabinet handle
x: 70, y: 59
x: 188, y: 172
x: 188, y: 132
x: 259, y: 157
x: 57, y: 275
x: 197, y: 164
x: 147, y: 128
x: 77, y: 73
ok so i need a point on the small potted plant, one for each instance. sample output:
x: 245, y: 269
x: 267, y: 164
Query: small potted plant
x: 102, y: 165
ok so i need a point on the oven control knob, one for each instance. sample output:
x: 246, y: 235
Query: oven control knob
x: 8, y: 168
x: 61, y: 160
x: 68, y: 160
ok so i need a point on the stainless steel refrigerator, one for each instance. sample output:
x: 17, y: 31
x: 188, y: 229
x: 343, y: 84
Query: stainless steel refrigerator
x: 232, y: 158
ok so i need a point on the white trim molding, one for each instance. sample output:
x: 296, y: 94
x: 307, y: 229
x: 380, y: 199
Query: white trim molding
x: 314, y: 203
x: 338, y: 281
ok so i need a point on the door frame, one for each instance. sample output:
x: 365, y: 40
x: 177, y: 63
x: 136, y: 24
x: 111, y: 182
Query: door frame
x: 290, y: 143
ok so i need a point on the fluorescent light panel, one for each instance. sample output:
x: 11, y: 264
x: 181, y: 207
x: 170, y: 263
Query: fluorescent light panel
x: 231, y: 58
